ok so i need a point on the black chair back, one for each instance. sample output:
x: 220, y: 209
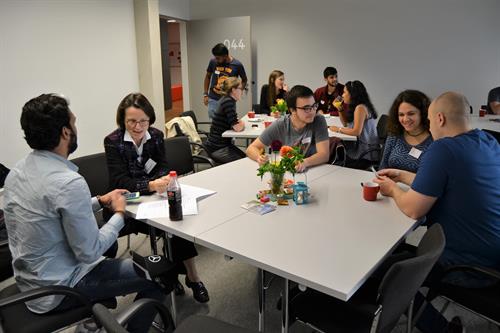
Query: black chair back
x: 191, y: 114
x: 496, y: 135
x: 94, y: 168
x: 382, y: 127
x: 178, y: 153
x: 402, y: 281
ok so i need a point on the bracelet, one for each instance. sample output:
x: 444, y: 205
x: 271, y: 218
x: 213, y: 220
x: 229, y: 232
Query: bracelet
x: 339, y: 130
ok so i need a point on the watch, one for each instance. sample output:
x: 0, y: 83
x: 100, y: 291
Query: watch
x: 205, y: 94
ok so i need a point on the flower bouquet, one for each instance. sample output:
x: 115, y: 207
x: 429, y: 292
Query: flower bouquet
x: 279, y: 109
x: 283, y: 159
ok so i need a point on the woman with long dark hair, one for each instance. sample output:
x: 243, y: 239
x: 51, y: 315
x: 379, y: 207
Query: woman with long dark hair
x: 360, y: 121
x: 275, y: 89
x: 408, y: 131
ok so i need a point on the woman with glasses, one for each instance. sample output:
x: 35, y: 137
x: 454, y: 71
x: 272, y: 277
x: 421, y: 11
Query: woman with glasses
x: 360, y: 121
x: 301, y: 128
x: 136, y: 161
x: 222, y: 150
x: 274, y: 90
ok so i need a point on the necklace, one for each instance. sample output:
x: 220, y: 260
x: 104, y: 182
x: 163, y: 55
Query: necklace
x: 414, y: 135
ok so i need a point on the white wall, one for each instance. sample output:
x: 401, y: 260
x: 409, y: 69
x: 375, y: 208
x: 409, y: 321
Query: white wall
x: 390, y: 45
x: 179, y: 9
x: 83, y: 49
x: 174, y: 37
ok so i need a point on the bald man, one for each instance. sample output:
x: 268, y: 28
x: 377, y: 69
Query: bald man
x: 458, y: 186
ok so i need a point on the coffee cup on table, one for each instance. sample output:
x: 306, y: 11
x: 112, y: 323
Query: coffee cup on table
x: 251, y: 114
x: 370, y: 190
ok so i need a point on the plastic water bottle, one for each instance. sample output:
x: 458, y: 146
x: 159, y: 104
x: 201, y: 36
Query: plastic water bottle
x: 174, y: 198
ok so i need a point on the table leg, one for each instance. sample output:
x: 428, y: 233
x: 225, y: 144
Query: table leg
x: 284, y: 307
x: 172, y: 294
x: 262, y: 298
x: 152, y: 240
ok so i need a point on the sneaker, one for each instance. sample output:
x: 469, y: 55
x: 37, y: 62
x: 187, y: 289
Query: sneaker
x: 200, y: 293
x: 179, y: 288
x: 455, y: 326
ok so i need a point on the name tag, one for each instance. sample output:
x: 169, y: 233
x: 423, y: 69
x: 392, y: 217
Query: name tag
x: 149, y: 166
x: 414, y: 152
x: 306, y: 140
x: 217, y: 72
x: 322, y: 102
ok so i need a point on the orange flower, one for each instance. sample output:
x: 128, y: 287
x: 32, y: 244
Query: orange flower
x: 286, y: 151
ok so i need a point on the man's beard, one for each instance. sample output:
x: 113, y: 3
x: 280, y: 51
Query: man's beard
x: 73, y: 144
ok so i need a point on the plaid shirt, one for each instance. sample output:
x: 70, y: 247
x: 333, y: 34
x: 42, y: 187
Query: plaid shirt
x: 126, y: 169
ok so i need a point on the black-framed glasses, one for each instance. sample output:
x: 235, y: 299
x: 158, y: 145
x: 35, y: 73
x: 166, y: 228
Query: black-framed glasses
x: 308, y: 108
x: 133, y: 122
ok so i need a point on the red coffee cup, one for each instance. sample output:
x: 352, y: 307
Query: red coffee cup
x: 267, y: 124
x: 482, y: 112
x: 370, y: 191
x: 251, y: 114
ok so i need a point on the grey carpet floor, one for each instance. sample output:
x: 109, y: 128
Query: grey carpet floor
x: 232, y: 286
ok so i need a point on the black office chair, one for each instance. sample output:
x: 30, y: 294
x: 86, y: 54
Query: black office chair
x: 256, y: 108
x: 179, y: 157
x: 484, y: 302
x: 203, y: 134
x: 375, y: 307
x: 192, y: 324
x: 339, y: 156
x: 94, y: 168
x: 16, y: 318
x: 495, y: 134
x: 5, y: 255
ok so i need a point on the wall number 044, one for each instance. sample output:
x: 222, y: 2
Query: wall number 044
x: 234, y: 44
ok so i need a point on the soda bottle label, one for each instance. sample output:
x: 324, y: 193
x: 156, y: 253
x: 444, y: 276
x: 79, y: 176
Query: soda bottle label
x: 175, y: 205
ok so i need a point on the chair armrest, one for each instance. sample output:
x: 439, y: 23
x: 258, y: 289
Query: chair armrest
x: 201, y: 159
x: 489, y: 272
x: 25, y: 296
x: 201, y: 132
x: 123, y: 317
x: 106, y: 319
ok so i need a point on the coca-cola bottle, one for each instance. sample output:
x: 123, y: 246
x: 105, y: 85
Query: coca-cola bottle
x: 174, y: 198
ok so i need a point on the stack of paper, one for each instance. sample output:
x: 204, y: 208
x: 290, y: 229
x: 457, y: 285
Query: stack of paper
x: 157, y: 209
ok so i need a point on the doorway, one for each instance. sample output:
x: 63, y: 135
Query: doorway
x: 171, y: 67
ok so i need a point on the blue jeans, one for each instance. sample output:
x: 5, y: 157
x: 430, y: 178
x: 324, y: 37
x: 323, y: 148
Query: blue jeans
x: 212, y: 107
x: 117, y: 277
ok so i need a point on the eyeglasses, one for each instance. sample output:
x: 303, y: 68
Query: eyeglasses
x: 133, y: 122
x: 308, y: 108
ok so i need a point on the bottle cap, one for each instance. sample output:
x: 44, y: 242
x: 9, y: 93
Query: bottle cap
x: 172, y: 173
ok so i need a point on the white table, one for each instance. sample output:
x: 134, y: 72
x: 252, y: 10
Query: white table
x: 332, y: 244
x: 235, y: 183
x: 485, y: 122
x: 254, y: 128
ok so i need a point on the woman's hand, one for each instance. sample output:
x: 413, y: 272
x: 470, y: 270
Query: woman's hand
x: 159, y: 185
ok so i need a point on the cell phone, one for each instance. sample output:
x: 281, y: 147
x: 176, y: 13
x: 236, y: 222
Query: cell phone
x: 131, y: 196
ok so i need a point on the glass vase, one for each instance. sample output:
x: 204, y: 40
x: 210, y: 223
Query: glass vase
x: 277, y: 183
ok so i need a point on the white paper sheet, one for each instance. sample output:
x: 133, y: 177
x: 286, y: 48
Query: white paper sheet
x: 159, y: 209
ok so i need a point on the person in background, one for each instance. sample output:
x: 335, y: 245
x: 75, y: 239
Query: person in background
x: 301, y: 128
x: 361, y: 122
x: 408, y: 131
x: 325, y: 96
x: 457, y: 185
x: 222, y: 150
x: 49, y: 215
x: 220, y: 67
x: 269, y: 96
x: 136, y: 161
x: 493, y: 105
